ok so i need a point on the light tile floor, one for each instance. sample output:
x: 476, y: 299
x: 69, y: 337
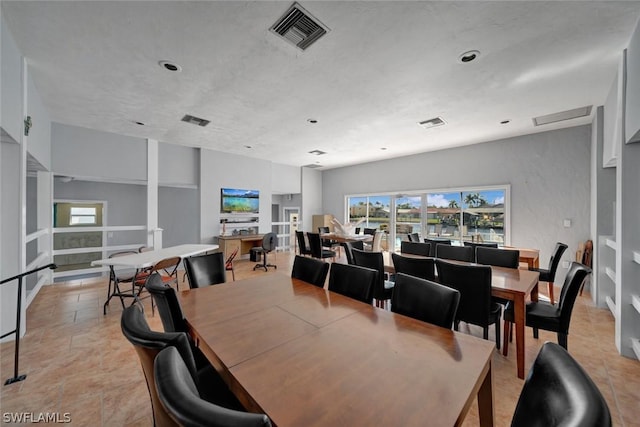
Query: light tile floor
x: 78, y: 362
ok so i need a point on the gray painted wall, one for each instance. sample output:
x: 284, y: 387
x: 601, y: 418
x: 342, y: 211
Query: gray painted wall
x: 11, y: 83
x: 178, y: 166
x: 548, y: 173
x: 39, y: 140
x: 632, y: 122
x: 81, y: 152
x: 285, y: 179
x: 178, y: 215
x: 312, y: 197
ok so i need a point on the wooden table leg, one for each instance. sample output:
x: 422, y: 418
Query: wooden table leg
x: 485, y: 400
x: 519, y: 317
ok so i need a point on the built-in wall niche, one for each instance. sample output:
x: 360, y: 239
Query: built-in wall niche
x: 238, y: 224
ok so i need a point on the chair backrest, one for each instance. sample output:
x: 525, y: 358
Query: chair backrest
x: 424, y: 300
x: 370, y: 231
x: 348, y: 246
x: 269, y: 241
x: 228, y: 263
x: 413, y: 237
x: 457, y: 253
x: 310, y: 270
x: 302, y: 244
x: 353, y: 281
x: 434, y: 243
x: 357, y: 230
x: 498, y: 257
x: 323, y: 230
x: 554, y: 261
x: 168, y: 266
x: 181, y: 400
x: 168, y: 305
x: 417, y: 267
x: 483, y: 244
x: 572, y: 282
x: 376, y: 245
x: 315, y: 245
x: 415, y: 248
x: 558, y: 391
x: 205, y: 270
x: 374, y: 261
x: 148, y: 344
x: 474, y: 284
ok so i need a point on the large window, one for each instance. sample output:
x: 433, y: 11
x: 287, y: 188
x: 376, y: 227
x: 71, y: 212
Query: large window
x: 467, y: 214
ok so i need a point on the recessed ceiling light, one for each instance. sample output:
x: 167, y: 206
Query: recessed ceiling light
x: 469, y: 56
x: 171, y: 66
x: 317, y: 152
x: 138, y: 123
x: 248, y: 146
x: 314, y: 121
x: 383, y: 148
x: 504, y: 122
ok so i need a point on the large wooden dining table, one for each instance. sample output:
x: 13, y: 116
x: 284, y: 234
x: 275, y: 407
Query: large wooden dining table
x: 342, y: 238
x: 511, y: 284
x: 307, y: 356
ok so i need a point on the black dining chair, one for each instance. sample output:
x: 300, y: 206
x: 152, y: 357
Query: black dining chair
x: 497, y: 257
x: 551, y: 317
x: 148, y: 344
x: 353, y: 281
x: 417, y: 267
x: 303, y: 248
x: 383, y: 288
x: 474, y: 245
x: 269, y: 243
x: 205, y: 270
x: 317, y: 251
x: 474, y: 284
x: 349, y: 246
x: 425, y: 300
x: 558, y: 392
x: 549, y: 274
x: 434, y: 243
x: 328, y: 243
x: 413, y: 237
x: 166, y: 300
x: 415, y: 248
x: 456, y: 253
x: 181, y: 400
x: 310, y: 270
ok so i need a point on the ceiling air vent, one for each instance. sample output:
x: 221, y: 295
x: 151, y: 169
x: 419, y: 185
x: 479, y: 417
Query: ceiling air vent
x: 298, y: 27
x: 563, y: 115
x: 317, y: 152
x: 432, y: 123
x: 195, y: 120
x: 312, y: 166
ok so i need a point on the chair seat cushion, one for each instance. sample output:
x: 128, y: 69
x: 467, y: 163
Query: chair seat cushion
x: 543, y: 315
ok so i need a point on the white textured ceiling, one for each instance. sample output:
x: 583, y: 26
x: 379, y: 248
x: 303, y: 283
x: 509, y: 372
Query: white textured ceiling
x: 382, y: 68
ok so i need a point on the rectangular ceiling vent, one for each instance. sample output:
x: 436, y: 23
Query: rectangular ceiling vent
x: 312, y: 166
x: 432, y: 123
x: 563, y: 115
x: 298, y: 27
x: 195, y: 120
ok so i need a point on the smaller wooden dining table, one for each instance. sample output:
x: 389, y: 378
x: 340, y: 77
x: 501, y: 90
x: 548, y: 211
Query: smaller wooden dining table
x: 512, y: 284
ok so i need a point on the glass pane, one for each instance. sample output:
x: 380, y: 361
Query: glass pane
x: 408, y: 217
x: 83, y: 211
x: 357, y: 208
x: 443, y: 214
x: 484, y: 215
x: 379, y: 208
x: 88, y: 219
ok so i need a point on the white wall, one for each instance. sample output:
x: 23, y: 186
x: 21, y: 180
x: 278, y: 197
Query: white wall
x: 312, y: 199
x: 548, y: 173
x: 221, y: 170
x: 632, y: 123
x: 178, y: 165
x: 82, y: 152
x: 11, y: 84
x: 285, y: 179
x: 39, y: 140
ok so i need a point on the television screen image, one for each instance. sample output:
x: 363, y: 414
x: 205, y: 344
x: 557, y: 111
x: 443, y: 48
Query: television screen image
x: 234, y: 200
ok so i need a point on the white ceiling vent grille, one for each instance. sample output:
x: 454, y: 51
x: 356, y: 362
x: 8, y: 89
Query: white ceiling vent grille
x: 432, y: 123
x: 563, y: 115
x: 195, y: 120
x: 298, y: 27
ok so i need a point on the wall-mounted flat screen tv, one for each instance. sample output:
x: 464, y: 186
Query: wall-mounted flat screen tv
x: 234, y: 200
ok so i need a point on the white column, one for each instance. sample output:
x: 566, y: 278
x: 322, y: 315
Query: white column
x: 152, y: 194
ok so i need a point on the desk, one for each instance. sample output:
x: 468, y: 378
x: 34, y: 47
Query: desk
x: 509, y: 283
x: 344, y: 239
x: 244, y: 243
x: 306, y: 356
x: 148, y: 259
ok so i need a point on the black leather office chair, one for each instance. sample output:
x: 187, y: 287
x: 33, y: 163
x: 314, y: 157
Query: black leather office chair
x: 303, y: 248
x: 456, y: 253
x: 474, y: 284
x: 549, y: 274
x: 205, y: 270
x: 383, y: 288
x: 180, y: 398
x: 269, y: 242
x: 552, y: 317
x: 558, y: 392
x: 148, y: 344
x: 353, y: 281
x: 415, y: 248
x: 310, y: 270
x: 425, y: 300
x: 417, y: 267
